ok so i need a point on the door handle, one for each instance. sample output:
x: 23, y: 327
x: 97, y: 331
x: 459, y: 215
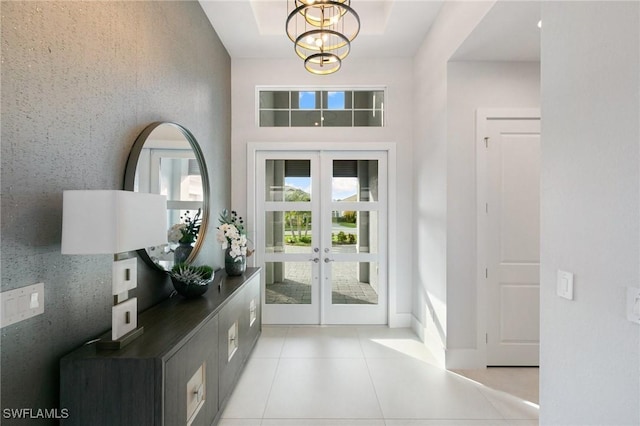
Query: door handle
x: 315, y: 260
x: 327, y: 260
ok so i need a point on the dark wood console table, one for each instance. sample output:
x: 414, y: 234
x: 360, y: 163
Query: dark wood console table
x: 181, y: 371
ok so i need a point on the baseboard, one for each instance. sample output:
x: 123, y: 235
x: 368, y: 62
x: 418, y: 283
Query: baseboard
x: 430, y: 339
x: 400, y: 320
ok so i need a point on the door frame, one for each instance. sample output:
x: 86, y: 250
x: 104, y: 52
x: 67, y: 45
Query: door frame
x: 483, y: 116
x: 393, y: 318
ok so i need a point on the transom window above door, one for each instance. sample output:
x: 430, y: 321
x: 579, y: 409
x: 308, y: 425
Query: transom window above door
x: 320, y: 108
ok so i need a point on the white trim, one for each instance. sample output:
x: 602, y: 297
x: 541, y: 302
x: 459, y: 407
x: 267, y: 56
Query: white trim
x: 316, y: 88
x: 468, y: 358
x: 401, y: 320
x: 394, y: 318
x: 430, y: 339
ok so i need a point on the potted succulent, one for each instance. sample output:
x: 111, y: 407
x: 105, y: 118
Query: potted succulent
x: 191, y: 281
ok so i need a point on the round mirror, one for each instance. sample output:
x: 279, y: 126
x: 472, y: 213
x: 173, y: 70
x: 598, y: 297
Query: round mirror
x: 166, y: 159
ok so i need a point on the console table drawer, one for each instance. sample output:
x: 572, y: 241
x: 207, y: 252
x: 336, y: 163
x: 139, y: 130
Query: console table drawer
x: 189, y: 399
x: 230, y: 343
x: 253, y: 315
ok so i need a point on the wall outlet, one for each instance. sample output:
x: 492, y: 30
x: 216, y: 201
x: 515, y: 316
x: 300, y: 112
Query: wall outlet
x: 21, y: 303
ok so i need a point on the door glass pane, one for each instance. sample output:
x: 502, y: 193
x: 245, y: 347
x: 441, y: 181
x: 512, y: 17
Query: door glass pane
x: 354, y: 283
x: 288, y: 283
x: 288, y: 232
x: 354, y: 232
x: 288, y: 180
x: 355, y: 180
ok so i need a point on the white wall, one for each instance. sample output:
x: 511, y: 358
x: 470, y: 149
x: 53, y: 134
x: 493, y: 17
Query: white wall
x: 454, y: 23
x: 590, y: 354
x: 473, y: 85
x: 395, y: 74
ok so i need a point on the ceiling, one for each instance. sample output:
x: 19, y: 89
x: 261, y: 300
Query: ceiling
x: 508, y: 32
x: 256, y: 28
x: 389, y: 28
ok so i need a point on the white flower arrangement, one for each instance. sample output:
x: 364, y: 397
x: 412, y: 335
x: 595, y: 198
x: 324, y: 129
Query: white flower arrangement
x: 231, y: 235
x: 175, y: 233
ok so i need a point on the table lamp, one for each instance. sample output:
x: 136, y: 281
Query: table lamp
x: 115, y: 222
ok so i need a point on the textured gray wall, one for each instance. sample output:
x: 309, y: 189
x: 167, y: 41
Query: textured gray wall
x: 80, y: 80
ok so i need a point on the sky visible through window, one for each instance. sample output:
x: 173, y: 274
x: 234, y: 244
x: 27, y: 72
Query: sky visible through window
x: 335, y: 100
x: 307, y: 100
x: 341, y: 188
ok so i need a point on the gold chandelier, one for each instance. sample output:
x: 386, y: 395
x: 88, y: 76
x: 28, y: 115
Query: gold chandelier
x: 322, y: 31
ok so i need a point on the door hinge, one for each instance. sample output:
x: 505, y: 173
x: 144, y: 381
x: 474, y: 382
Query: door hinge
x: 486, y: 272
x: 486, y: 208
x: 486, y: 142
x: 486, y: 338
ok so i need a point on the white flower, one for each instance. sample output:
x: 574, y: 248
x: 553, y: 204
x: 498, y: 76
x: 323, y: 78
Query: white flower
x: 230, y: 238
x: 175, y: 232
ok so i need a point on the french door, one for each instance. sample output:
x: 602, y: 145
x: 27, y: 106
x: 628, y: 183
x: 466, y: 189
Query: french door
x: 321, y: 236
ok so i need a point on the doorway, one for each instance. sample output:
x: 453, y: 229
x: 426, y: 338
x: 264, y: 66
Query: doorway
x: 509, y: 234
x: 321, y: 236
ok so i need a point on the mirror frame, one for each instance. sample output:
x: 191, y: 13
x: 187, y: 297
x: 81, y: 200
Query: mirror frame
x: 130, y: 174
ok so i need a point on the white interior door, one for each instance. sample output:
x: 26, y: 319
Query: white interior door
x: 321, y: 236
x: 511, y: 234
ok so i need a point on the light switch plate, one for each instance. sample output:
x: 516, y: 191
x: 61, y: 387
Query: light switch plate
x: 633, y: 304
x: 124, y: 318
x: 21, y: 303
x: 124, y: 275
x: 565, y: 285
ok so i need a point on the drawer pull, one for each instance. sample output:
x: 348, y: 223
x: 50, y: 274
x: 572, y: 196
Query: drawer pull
x: 199, y: 393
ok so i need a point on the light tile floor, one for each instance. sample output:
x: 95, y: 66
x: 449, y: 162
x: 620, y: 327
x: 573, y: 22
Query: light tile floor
x: 364, y: 376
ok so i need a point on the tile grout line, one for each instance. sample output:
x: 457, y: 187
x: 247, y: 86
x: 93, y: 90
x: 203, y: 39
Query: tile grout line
x: 477, y: 388
x: 366, y: 363
x: 275, y: 374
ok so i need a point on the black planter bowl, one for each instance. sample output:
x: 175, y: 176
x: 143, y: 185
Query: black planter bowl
x: 188, y: 290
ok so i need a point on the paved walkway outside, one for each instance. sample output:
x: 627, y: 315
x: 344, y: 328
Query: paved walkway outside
x: 296, y: 287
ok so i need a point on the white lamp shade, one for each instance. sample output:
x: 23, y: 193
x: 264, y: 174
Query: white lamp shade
x: 110, y: 221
